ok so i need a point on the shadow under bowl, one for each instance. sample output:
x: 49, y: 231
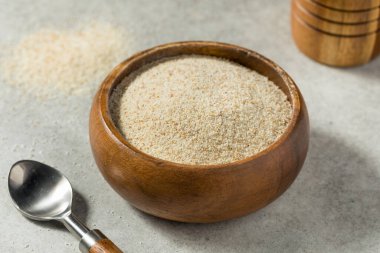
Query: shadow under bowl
x: 198, y: 193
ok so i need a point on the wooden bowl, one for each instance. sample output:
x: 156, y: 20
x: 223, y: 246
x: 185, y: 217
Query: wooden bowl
x: 330, y: 49
x: 198, y: 193
x: 333, y: 27
x: 350, y: 5
x: 348, y: 17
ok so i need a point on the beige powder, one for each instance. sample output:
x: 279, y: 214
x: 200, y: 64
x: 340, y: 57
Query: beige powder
x: 68, y: 61
x: 199, y: 110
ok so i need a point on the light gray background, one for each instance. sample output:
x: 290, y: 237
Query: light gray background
x: 333, y: 206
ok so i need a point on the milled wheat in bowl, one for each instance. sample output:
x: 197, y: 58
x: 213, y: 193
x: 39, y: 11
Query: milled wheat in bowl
x: 199, y: 110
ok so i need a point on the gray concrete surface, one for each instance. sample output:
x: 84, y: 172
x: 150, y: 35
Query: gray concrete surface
x: 333, y: 206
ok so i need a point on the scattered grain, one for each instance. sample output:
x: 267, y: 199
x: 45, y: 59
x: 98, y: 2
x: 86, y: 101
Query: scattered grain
x: 69, y: 61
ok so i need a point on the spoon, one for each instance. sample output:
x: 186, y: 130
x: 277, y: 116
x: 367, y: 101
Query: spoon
x: 42, y: 193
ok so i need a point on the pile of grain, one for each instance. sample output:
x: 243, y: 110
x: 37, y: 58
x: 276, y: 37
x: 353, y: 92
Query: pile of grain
x: 199, y: 110
x: 69, y: 61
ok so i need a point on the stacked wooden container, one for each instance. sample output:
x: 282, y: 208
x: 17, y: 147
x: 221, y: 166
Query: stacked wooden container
x: 337, y: 32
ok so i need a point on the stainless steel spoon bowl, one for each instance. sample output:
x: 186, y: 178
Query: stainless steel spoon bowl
x: 41, y: 192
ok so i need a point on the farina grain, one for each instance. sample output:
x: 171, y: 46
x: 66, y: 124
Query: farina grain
x: 199, y: 110
x: 70, y: 61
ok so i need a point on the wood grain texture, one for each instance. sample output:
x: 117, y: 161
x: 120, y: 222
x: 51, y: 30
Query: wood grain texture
x: 333, y: 27
x: 350, y: 5
x: 330, y: 49
x: 204, y: 193
x: 348, y: 17
x: 104, y: 246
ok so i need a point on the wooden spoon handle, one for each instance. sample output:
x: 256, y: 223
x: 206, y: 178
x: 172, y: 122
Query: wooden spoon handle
x: 96, y: 242
x: 104, y: 246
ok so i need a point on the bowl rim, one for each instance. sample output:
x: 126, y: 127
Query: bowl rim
x: 111, y: 81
